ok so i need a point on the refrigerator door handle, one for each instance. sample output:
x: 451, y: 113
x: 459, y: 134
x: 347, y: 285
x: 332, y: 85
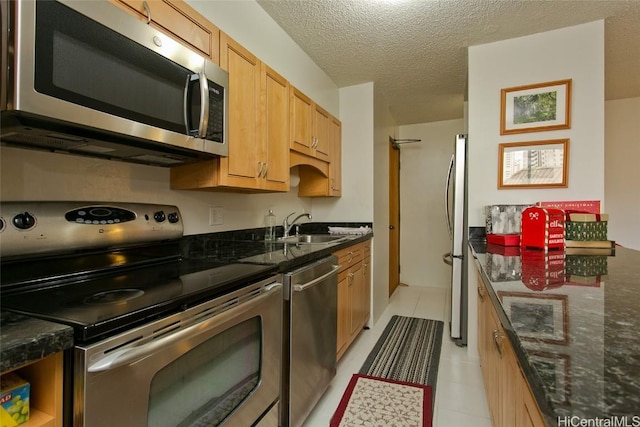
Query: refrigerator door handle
x: 447, y: 258
x: 446, y: 197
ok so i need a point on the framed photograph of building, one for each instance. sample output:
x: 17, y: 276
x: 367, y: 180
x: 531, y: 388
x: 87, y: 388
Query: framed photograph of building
x: 535, y: 108
x: 555, y: 370
x: 537, y: 317
x: 533, y: 164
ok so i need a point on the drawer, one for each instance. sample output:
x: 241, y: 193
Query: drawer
x: 366, y: 248
x: 349, y: 256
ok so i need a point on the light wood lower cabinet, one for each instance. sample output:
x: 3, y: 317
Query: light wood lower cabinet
x: 45, y: 399
x: 354, y: 293
x: 510, y: 400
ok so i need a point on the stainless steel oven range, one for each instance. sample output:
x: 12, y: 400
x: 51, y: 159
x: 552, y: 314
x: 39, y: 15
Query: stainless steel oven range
x: 160, y: 340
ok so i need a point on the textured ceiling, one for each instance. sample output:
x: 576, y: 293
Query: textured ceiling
x: 415, y: 50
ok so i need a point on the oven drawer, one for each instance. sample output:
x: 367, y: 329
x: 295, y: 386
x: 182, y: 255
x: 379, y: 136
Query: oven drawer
x: 217, y: 363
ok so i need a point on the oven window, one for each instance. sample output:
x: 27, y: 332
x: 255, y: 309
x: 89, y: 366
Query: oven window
x: 206, y: 384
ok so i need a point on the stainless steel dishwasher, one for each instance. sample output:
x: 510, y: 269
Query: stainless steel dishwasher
x: 309, y: 337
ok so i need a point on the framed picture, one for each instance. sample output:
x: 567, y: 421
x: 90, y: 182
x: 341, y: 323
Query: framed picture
x: 535, y: 108
x: 555, y: 371
x: 537, y: 317
x: 533, y: 164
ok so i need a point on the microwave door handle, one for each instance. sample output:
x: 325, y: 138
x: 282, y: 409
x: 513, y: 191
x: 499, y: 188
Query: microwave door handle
x: 201, y: 131
x: 186, y: 109
x: 204, y: 107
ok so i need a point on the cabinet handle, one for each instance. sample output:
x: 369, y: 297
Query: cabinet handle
x: 351, y: 275
x: 266, y: 169
x: 350, y: 257
x: 497, y: 341
x: 481, y: 293
x: 260, y: 165
x: 147, y: 10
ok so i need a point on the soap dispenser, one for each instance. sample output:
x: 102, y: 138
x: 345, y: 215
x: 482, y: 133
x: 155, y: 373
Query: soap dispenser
x: 270, y: 226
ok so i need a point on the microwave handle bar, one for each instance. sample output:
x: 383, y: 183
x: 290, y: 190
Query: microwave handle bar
x: 204, y: 107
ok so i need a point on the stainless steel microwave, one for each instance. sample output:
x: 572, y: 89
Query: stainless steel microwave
x: 85, y: 77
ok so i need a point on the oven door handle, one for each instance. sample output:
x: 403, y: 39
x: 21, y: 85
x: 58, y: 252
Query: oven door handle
x: 129, y: 355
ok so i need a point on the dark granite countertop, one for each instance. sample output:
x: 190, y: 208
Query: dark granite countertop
x: 248, y: 246
x: 574, y: 323
x: 25, y: 339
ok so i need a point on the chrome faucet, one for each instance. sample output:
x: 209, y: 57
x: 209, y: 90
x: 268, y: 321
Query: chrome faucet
x: 287, y: 226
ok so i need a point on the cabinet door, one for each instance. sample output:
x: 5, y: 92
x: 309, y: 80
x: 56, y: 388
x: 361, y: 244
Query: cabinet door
x: 181, y: 22
x: 243, y: 165
x: 366, y: 272
x: 344, y: 313
x: 529, y: 414
x: 321, y: 131
x: 301, y: 123
x: 335, y: 158
x: 275, y: 120
x: 356, y: 288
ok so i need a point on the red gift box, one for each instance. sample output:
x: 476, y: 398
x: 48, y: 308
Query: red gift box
x: 542, y: 270
x: 504, y: 239
x: 542, y: 228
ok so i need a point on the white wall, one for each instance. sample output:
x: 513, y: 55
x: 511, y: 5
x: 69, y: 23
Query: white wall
x: 423, y: 230
x: 248, y: 24
x: 570, y: 53
x: 35, y: 175
x: 574, y: 52
x: 356, y: 203
x: 622, y: 171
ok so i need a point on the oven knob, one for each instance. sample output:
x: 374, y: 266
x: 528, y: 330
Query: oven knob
x: 24, y: 221
x: 159, y: 216
x: 173, y: 217
x: 1, y: 224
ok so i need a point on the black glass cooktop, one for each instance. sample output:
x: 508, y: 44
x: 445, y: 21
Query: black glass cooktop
x: 100, y: 306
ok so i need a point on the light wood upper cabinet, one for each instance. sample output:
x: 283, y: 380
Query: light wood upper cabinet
x: 258, y: 130
x: 321, y: 133
x: 335, y: 165
x: 244, y: 164
x: 316, y: 181
x: 302, y: 108
x: 310, y: 130
x: 275, y: 133
x: 180, y: 21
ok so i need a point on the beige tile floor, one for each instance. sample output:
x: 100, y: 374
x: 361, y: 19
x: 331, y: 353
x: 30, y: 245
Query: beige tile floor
x: 460, y: 398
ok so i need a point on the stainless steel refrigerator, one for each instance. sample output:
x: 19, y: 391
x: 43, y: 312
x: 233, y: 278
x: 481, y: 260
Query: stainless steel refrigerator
x: 456, y: 217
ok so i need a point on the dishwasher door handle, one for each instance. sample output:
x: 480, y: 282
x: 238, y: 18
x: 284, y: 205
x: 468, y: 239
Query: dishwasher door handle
x: 302, y: 287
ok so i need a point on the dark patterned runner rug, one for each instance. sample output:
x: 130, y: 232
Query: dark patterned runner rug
x: 408, y: 350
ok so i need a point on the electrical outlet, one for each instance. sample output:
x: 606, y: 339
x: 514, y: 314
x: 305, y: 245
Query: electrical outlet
x: 216, y: 215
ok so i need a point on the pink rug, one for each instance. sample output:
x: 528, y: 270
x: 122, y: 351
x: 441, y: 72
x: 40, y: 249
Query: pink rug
x: 382, y: 402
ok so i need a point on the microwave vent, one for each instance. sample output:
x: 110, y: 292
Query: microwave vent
x: 58, y: 137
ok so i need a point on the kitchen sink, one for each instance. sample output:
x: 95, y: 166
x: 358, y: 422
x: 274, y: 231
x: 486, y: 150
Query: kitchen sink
x: 313, y: 239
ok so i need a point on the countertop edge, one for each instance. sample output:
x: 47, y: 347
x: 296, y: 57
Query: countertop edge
x: 26, y: 340
x: 533, y: 379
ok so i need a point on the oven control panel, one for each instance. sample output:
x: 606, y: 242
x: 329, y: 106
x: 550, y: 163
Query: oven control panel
x: 32, y: 228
